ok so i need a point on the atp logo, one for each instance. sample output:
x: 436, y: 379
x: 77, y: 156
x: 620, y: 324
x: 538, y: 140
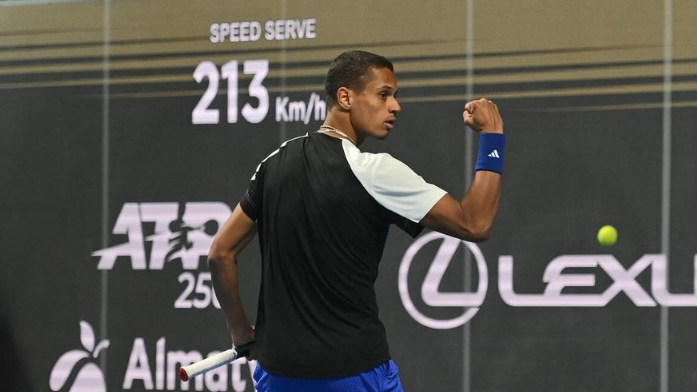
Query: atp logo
x: 88, y: 376
x: 182, y: 232
x: 429, y: 289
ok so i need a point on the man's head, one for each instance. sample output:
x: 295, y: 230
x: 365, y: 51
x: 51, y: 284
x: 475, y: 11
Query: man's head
x: 352, y: 69
x: 362, y: 85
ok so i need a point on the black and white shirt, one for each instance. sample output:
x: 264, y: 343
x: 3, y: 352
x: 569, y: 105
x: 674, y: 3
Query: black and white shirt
x: 323, y: 210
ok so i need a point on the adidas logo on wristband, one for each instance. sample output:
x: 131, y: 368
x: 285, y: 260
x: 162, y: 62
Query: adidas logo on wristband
x: 491, y: 152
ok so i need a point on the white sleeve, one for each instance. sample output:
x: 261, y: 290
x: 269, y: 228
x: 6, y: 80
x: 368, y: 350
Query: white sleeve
x: 392, y: 183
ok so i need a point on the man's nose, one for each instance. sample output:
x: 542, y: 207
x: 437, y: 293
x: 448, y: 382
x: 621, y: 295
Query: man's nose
x: 396, y: 107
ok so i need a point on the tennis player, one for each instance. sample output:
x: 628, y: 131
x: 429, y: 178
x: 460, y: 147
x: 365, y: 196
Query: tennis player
x: 322, y: 209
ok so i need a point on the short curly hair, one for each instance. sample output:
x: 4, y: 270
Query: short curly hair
x: 349, y: 70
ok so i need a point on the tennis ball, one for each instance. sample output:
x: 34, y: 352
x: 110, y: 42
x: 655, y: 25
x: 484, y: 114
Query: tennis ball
x: 607, y: 235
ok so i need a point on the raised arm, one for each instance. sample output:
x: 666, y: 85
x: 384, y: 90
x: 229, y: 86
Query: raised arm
x: 232, y: 238
x: 472, y: 217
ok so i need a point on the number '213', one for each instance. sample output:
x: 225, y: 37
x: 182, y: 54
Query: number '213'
x: 202, y: 114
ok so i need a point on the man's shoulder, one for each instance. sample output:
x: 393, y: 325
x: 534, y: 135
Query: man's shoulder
x: 370, y: 163
x: 284, y: 145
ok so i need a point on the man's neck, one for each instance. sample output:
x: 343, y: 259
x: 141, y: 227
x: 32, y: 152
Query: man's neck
x: 341, y: 121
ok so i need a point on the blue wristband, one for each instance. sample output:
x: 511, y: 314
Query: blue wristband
x: 491, y: 149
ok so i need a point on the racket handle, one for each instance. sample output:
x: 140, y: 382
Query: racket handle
x: 214, y: 361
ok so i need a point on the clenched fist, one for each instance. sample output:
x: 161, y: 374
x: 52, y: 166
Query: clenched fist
x: 482, y: 115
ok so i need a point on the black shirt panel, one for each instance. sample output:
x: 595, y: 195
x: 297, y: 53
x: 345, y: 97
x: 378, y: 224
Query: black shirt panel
x: 321, y: 235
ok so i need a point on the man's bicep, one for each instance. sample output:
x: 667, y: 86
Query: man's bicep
x: 236, y: 233
x: 445, y: 217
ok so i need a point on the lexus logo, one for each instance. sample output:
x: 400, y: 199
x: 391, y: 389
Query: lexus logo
x: 429, y: 289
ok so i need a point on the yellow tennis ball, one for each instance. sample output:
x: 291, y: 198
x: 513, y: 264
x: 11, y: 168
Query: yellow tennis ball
x: 607, y: 235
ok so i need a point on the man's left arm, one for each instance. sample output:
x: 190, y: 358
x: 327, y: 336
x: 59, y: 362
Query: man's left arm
x: 232, y: 238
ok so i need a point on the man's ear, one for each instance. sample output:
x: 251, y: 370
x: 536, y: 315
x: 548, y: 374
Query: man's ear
x: 344, y: 97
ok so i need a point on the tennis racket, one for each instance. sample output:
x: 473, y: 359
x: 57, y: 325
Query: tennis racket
x: 214, y: 361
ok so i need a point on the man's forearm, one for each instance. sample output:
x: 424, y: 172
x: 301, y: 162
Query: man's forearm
x: 481, y: 202
x: 226, y: 284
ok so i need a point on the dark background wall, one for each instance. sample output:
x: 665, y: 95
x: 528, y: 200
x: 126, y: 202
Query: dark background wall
x: 100, y: 156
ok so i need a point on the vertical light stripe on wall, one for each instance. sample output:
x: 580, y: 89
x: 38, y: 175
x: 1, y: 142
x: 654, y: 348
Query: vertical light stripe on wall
x: 665, y: 186
x: 282, y: 133
x: 469, y: 148
x: 106, y: 37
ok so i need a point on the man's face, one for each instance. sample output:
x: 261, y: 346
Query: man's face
x: 374, y: 109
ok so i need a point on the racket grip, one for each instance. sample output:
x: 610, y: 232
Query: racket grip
x: 214, y: 361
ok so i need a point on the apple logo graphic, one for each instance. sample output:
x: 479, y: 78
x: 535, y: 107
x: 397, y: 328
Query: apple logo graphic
x: 89, y: 377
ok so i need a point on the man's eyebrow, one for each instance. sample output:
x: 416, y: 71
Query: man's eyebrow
x: 388, y: 87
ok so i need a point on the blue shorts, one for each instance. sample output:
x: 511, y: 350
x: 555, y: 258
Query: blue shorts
x: 382, y: 378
